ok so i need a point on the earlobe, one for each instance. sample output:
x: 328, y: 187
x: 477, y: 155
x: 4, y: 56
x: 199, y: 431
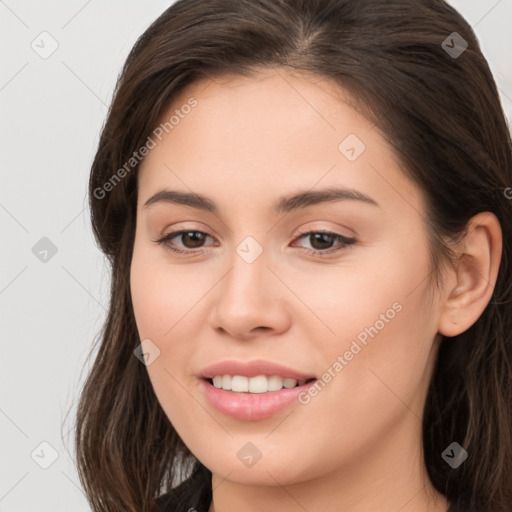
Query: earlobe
x: 475, y: 273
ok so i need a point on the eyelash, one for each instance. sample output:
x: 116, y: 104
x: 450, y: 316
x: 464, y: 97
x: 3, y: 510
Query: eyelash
x: 345, y: 242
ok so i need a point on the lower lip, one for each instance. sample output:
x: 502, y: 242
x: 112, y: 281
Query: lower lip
x: 252, y: 406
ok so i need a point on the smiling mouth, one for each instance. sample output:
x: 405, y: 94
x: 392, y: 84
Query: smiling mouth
x: 255, y: 385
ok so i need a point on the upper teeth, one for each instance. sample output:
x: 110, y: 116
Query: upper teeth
x: 259, y: 384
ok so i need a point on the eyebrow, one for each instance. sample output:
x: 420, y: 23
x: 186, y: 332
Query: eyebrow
x: 284, y: 204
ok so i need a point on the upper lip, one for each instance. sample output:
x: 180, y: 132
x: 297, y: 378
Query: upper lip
x: 252, y: 369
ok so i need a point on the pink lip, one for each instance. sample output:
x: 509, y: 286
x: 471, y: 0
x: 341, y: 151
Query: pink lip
x: 252, y: 369
x: 251, y: 406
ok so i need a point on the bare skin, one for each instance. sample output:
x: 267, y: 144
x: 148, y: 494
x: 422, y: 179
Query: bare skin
x: 356, y: 445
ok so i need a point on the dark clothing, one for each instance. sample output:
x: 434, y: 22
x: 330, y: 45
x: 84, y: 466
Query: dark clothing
x: 192, y: 495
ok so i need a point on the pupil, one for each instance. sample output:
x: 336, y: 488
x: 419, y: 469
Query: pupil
x: 193, y: 235
x: 322, y: 237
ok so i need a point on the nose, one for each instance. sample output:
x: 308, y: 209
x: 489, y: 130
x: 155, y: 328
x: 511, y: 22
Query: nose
x: 249, y: 301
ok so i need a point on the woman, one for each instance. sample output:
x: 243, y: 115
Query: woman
x: 305, y: 207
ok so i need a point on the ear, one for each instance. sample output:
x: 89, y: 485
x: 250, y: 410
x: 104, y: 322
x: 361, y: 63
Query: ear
x: 473, y: 275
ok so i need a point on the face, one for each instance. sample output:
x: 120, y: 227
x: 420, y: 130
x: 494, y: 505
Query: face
x: 333, y: 290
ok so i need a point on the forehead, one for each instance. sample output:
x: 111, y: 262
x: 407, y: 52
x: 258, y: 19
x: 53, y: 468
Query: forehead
x: 268, y: 115
x: 269, y: 132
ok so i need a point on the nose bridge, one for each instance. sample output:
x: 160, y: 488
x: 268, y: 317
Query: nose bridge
x: 247, y: 299
x: 245, y: 283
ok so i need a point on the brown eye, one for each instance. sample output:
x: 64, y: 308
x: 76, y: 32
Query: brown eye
x: 322, y: 242
x: 191, y: 241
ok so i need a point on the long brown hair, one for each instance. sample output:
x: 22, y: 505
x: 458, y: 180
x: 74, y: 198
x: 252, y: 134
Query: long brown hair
x: 442, y: 114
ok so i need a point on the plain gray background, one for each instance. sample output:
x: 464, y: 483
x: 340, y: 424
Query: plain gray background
x: 53, y: 303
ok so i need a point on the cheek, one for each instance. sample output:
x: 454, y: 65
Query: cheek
x: 162, y: 298
x: 162, y: 294
x: 377, y: 327
x: 364, y: 290
x: 169, y: 307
